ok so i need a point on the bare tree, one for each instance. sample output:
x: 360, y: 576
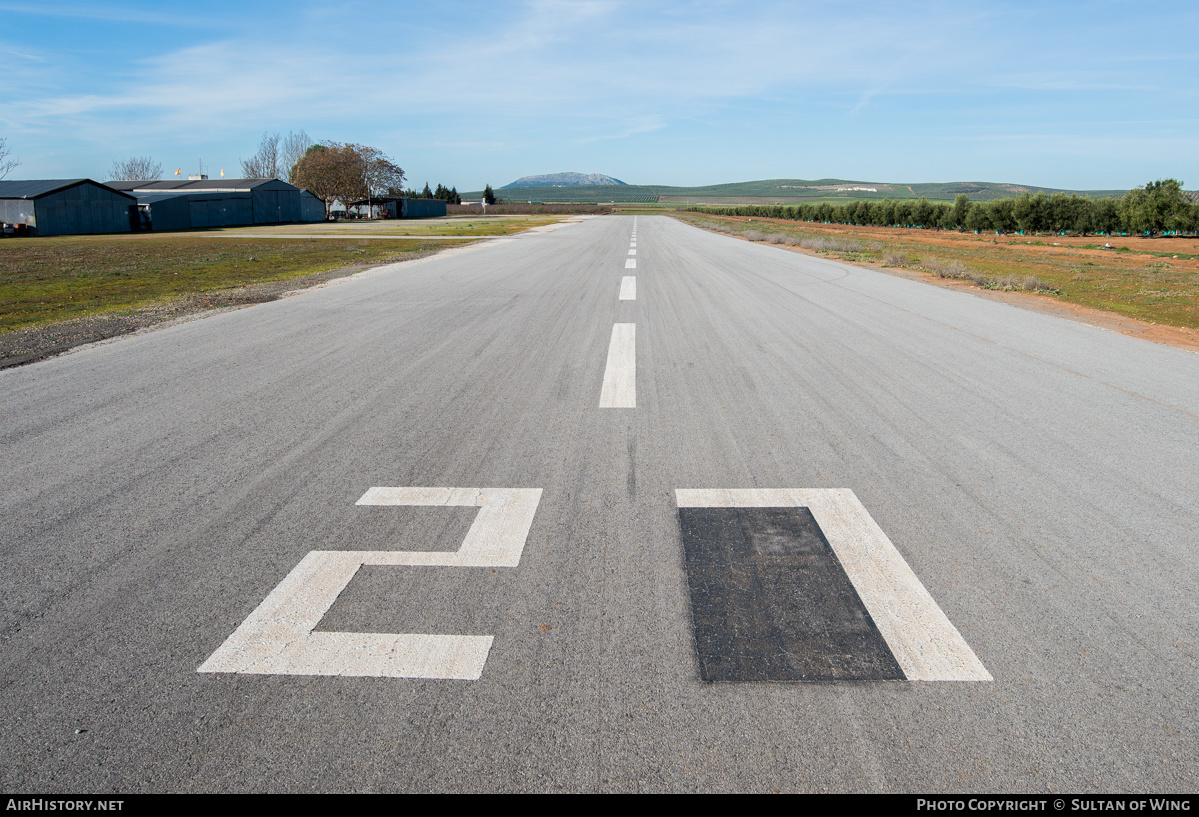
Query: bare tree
x: 136, y: 168
x: 293, y: 148
x: 265, y: 163
x: 6, y: 164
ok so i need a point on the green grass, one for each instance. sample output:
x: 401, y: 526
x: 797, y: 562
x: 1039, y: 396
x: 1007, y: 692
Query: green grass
x: 45, y: 280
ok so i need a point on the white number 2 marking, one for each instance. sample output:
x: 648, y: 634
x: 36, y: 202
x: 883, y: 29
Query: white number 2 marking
x: 278, y: 638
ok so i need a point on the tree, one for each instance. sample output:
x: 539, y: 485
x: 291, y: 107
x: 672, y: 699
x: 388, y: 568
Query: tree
x: 277, y: 156
x: 447, y: 194
x: 961, y: 210
x: 332, y: 171
x: 1105, y: 216
x: 1002, y: 215
x: 488, y: 195
x: 1061, y: 212
x: 6, y: 164
x: 136, y: 169
x: 1160, y: 205
x: 923, y: 213
x: 292, y: 149
x: 977, y: 218
x: 265, y: 163
x: 886, y: 214
x: 379, y: 174
x: 1031, y: 212
x: 1084, y: 216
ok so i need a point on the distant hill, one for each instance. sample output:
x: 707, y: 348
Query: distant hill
x: 556, y: 187
x: 564, y: 180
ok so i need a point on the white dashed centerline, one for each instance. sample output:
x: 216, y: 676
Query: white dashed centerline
x: 630, y: 263
x: 628, y: 288
x: 620, y: 372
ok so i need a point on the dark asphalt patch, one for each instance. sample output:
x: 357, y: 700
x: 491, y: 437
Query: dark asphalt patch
x: 771, y: 602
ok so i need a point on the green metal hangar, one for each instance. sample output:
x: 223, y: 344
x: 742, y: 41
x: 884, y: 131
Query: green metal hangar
x: 65, y: 207
x: 400, y: 207
x: 180, y: 204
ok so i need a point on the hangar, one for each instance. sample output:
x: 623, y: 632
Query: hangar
x: 401, y: 207
x: 66, y: 207
x: 185, y: 204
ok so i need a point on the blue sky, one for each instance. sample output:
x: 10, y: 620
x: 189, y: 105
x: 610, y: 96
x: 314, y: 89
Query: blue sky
x: 1095, y: 95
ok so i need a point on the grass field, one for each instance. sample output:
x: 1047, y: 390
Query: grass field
x: 51, y: 279
x: 467, y: 226
x: 1149, y: 279
x: 60, y: 278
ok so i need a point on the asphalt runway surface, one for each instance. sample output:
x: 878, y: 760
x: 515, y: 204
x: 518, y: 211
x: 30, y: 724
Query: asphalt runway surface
x: 240, y: 494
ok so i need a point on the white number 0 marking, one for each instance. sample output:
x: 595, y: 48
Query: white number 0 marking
x: 278, y: 638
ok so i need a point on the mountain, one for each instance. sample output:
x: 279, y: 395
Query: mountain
x: 574, y: 187
x: 564, y: 180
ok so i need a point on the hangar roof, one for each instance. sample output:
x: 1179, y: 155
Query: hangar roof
x: 35, y: 188
x: 198, y: 185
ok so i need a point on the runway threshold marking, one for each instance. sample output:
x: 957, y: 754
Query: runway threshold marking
x: 619, y: 389
x: 766, y: 549
x: 628, y: 288
x: 277, y: 638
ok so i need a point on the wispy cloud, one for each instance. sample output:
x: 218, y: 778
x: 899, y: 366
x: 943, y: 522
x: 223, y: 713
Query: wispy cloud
x: 645, y: 125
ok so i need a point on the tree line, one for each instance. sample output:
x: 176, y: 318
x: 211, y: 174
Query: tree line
x: 1158, y: 207
x: 447, y: 194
